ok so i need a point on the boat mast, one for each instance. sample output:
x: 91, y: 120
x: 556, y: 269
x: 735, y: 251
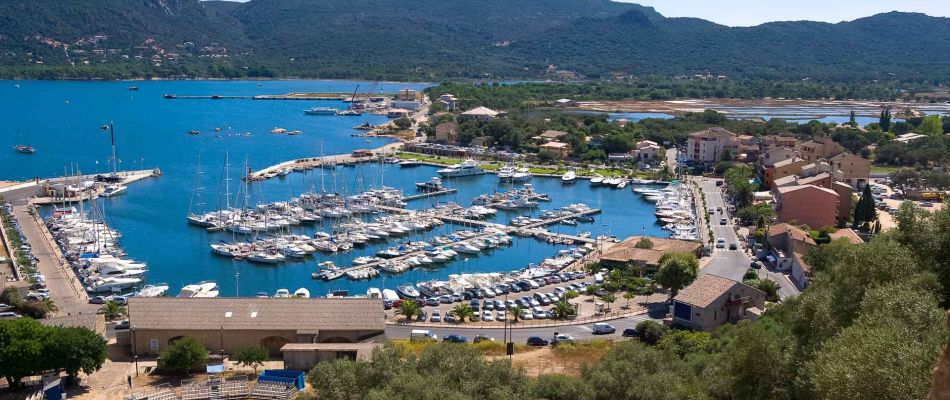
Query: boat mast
x: 111, y: 128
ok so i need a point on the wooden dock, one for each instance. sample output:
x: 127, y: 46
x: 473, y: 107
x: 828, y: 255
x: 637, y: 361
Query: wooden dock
x: 429, y: 194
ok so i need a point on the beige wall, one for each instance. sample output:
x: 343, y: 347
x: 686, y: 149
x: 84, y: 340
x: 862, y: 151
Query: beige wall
x: 718, y: 312
x: 815, y: 208
x: 236, y: 339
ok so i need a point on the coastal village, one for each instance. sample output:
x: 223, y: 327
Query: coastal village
x: 740, y: 214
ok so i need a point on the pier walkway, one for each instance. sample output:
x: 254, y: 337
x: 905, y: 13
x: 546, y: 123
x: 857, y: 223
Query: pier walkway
x: 316, y: 162
x: 29, y: 191
x: 429, y: 194
x: 64, y: 286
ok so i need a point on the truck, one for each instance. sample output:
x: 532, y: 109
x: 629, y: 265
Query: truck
x: 422, y: 335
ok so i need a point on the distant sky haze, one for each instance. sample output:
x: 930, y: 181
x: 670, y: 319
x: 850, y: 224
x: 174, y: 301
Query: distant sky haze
x: 755, y: 12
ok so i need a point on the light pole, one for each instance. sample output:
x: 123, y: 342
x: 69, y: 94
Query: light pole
x: 237, y: 287
x: 111, y: 128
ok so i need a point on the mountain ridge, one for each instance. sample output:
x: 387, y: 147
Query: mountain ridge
x: 434, y: 39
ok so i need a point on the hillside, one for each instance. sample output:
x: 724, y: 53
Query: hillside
x: 435, y: 39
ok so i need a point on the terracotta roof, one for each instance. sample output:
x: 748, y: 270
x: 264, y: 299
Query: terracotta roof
x: 626, y: 251
x: 552, y: 134
x: 555, y: 145
x: 811, y: 179
x: 844, y: 156
x: 481, y: 111
x: 705, y: 290
x: 785, y: 181
x: 255, y: 313
x: 788, y: 189
x: 846, y: 233
x: 715, y: 132
x: 787, y: 161
x: 792, y: 231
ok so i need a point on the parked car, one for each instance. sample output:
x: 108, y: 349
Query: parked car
x: 630, y: 332
x: 9, y: 315
x: 732, y: 246
x: 487, y: 316
x: 123, y: 324
x: 449, y: 317
x: 482, y: 338
x: 603, y: 328
x: 489, y: 305
x: 455, y: 339
x: 432, y: 301
x: 97, y: 300
x: 499, y: 305
x: 720, y: 243
x: 436, y: 316
x: 562, y: 338
x: 536, y: 341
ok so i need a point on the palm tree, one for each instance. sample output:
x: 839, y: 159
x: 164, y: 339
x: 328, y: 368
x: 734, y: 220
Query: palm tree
x: 516, y: 313
x: 462, y: 312
x: 562, y: 309
x: 113, y: 309
x: 49, y: 306
x: 409, y: 309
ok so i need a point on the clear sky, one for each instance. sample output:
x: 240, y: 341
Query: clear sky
x: 754, y: 12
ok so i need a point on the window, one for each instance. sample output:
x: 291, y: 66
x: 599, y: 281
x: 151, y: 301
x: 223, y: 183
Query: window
x: 153, y: 344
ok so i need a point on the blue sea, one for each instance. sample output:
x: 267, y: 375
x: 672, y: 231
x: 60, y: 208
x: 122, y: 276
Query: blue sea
x: 63, y: 119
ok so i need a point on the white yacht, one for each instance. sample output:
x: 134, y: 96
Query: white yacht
x: 113, y: 190
x: 597, y: 179
x: 466, y: 168
x: 506, y: 172
x: 200, y: 289
x: 156, y: 290
x: 113, y: 284
x: 521, y: 175
x: 569, y: 177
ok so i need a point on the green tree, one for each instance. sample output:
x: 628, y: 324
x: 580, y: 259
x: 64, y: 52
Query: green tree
x: 409, y: 309
x: 736, y: 371
x: 561, y: 387
x: 112, y: 309
x: 852, y: 120
x: 885, y: 120
x: 21, y: 349
x: 75, y: 350
x: 628, y: 295
x: 644, y: 243
x: 683, y: 342
x: 403, y: 123
x: 631, y: 370
x: 462, y: 312
x: 931, y: 125
x: 608, y: 300
x: 650, y: 332
x: 676, y: 271
x: 182, y: 355
x: 516, y: 313
x: 864, y: 212
x: 252, y: 356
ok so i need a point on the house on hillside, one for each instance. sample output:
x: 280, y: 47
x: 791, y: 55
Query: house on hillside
x: 782, y: 169
x: 446, y: 132
x: 806, y: 204
x: 814, y: 150
x: 789, y: 245
x: 711, y: 301
x: 550, y: 135
x: 558, y: 149
x: 481, y: 114
x: 709, y: 146
x: 647, y: 151
x: 855, y: 170
x: 625, y: 254
x: 448, y: 102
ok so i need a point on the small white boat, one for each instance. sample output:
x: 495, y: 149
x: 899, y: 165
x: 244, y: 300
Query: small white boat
x: 113, y: 190
x: 282, y: 293
x: 569, y: 177
x: 201, y: 289
x: 302, y: 293
x: 597, y: 179
x: 156, y: 290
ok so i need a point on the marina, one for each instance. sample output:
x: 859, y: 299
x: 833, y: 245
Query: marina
x: 150, y: 217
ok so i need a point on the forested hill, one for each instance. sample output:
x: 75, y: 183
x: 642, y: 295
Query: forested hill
x: 437, y: 39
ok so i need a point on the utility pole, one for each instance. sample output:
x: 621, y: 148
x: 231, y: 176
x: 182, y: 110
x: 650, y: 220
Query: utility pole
x: 111, y: 128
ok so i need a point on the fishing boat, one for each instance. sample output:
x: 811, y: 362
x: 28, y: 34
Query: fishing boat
x: 466, y: 168
x: 321, y: 111
x: 24, y: 149
x: 569, y: 177
x: 433, y: 185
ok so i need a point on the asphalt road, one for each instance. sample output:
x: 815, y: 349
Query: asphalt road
x: 520, y: 335
x: 732, y: 264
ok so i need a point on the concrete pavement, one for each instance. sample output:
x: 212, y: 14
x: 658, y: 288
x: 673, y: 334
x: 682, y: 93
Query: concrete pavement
x: 61, y: 281
x: 732, y: 264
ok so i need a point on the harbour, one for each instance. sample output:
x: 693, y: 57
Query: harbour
x: 179, y: 254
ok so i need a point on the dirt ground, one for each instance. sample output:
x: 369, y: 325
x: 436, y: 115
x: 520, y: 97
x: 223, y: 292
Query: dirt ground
x: 566, y: 360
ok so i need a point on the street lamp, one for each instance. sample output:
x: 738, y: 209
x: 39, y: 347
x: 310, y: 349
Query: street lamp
x: 237, y: 288
x: 111, y: 128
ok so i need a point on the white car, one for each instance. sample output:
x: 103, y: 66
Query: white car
x: 488, y: 316
x: 526, y: 315
x: 436, y: 316
x: 500, y: 315
x: 563, y: 338
x: 720, y: 243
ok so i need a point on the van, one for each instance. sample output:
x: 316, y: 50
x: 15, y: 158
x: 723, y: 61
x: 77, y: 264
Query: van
x: 598, y: 278
x: 422, y: 335
x: 602, y: 328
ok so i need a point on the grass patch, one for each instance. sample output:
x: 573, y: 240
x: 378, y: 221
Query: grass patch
x: 884, y: 169
x: 488, y: 349
x: 586, y: 352
x: 427, y: 158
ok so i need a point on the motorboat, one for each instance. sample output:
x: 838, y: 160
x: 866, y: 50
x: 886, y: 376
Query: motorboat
x: 506, y: 172
x: 569, y: 177
x: 282, y: 294
x: 466, y: 168
x: 113, y: 190
x: 597, y: 179
x: 24, y: 149
x: 265, y: 257
x: 349, y: 113
x: 201, y: 289
x: 113, y: 284
x: 154, y: 290
x: 407, y: 291
x: 521, y: 175
x: 433, y: 185
x: 321, y: 111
